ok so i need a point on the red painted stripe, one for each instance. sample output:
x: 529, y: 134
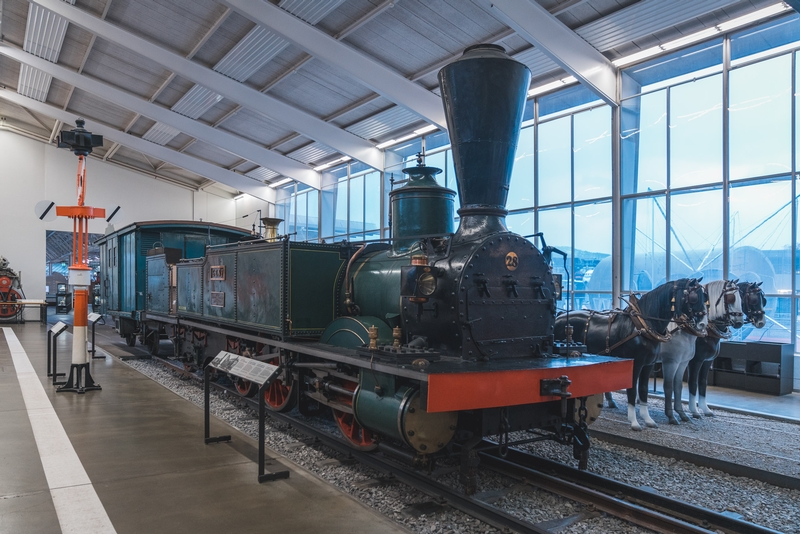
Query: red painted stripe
x: 470, y: 391
x: 81, y: 303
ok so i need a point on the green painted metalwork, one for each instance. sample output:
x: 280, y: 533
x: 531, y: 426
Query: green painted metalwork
x: 157, y: 289
x: 379, y: 403
x: 353, y: 332
x: 190, y: 288
x: 259, y: 299
x: 421, y: 207
x: 219, y: 293
x: 312, y: 287
x: 376, y: 284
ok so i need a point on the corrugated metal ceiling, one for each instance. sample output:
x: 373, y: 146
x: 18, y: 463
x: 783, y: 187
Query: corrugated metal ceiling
x: 413, y: 37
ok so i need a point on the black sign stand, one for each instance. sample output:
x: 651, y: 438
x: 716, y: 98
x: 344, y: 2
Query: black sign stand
x: 262, y: 415
x: 95, y: 318
x: 52, y: 352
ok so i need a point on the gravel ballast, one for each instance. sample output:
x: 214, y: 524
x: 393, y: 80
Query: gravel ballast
x: 755, y: 501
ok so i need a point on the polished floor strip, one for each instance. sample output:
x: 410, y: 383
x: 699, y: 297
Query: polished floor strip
x: 77, y: 505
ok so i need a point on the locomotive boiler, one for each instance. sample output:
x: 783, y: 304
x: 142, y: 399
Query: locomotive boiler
x: 437, y: 337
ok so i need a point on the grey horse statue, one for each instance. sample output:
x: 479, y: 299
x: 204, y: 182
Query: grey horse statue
x: 637, y: 331
x: 750, y: 300
x: 675, y: 354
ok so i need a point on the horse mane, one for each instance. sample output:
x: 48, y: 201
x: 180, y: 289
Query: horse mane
x: 656, y: 305
x: 716, y: 304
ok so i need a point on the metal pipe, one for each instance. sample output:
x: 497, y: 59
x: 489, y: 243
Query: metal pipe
x: 335, y: 388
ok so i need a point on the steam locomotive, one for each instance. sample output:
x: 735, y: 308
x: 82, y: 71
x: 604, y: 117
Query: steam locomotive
x: 436, y: 337
x: 10, y: 292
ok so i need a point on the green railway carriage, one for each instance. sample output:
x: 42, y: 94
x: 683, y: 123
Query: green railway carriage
x: 238, y: 285
x: 123, y: 263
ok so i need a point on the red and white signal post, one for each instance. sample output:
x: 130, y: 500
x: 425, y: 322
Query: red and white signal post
x: 81, y: 143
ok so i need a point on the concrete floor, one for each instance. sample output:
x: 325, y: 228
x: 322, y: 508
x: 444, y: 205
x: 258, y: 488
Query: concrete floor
x: 142, y: 448
x: 773, y: 406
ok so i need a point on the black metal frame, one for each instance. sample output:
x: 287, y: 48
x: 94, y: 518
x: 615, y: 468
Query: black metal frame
x: 52, y: 356
x: 94, y: 346
x: 262, y: 415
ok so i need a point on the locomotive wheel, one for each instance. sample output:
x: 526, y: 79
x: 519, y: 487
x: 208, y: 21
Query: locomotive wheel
x: 359, y: 437
x: 130, y: 339
x: 9, y: 310
x: 279, y: 397
x: 245, y: 387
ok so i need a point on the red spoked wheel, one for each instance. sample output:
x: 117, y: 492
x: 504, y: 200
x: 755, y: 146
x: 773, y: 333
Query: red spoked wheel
x: 279, y: 397
x: 245, y: 387
x: 358, y: 436
x: 8, y: 310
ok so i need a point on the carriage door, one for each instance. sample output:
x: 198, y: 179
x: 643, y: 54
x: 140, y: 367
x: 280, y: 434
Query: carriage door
x: 110, y: 281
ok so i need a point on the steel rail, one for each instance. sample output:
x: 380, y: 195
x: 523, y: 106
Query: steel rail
x: 533, y: 467
x: 731, y: 468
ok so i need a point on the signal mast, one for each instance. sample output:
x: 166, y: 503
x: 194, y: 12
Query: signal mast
x: 81, y: 142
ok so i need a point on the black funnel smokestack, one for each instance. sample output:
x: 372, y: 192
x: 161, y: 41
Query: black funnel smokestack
x: 484, y: 95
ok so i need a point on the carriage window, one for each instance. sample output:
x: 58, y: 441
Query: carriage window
x: 760, y: 118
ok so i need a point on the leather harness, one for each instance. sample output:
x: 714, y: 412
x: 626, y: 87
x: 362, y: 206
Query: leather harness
x: 638, y: 318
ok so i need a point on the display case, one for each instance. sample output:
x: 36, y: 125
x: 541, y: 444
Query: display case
x: 63, y: 299
x: 759, y: 367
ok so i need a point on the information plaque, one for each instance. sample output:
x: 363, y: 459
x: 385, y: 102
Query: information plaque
x: 58, y: 327
x: 263, y: 374
x: 243, y: 367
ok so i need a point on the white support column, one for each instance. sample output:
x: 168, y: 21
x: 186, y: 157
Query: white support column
x: 566, y: 48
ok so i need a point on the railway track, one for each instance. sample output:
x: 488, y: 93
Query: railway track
x: 599, y: 494
x: 731, y: 468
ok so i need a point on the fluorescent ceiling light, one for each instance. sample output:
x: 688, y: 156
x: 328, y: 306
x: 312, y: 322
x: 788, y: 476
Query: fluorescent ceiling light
x: 732, y: 24
x: 563, y: 82
x: 426, y: 129
x: 385, y: 144
x: 332, y: 163
x: 281, y: 182
x: 239, y: 197
x: 774, y: 9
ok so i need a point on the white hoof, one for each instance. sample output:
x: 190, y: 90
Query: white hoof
x: 632, y: 418
x: 644, y: 413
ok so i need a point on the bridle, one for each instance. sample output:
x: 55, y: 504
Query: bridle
x: 684, y: 317
x: 751, y: 298
x: 719, y: 327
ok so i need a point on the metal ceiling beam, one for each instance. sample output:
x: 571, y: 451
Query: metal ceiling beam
x: 224, y: 140
x: 308, y: 125
x: 385, y: 81
x: 197, y: 166
x: 567, y: 49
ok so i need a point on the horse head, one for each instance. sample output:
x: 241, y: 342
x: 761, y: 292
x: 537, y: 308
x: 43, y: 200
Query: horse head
x: 753, y: 302
x: 692, y: 310
x: 734, y: 314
